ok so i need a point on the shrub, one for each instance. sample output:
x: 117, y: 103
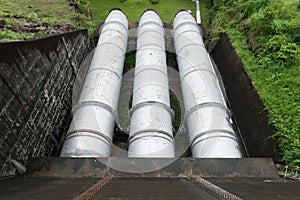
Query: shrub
x: 281, y: 49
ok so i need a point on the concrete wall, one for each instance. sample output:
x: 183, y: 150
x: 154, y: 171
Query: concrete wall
x: 36, y: 83
x: 249, y: 112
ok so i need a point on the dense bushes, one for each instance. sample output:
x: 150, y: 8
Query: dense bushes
x: 266, y: 34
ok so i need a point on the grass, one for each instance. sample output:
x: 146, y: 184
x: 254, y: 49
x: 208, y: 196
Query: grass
x: 58, y: 11
x: 134, y: 8
x: 51, y: 12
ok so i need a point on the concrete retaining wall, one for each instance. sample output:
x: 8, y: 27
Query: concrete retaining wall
x: 36, y: 83
x: 249, y: 112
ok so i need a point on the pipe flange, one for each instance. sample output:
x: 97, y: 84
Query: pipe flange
x: 231, y: 133
x: 113, y: 21
x: 138, y: 71
x: 187, y: 23
x: 79, y: 132
x: 151, y: 22
x: 98, y: 104
x: 167, y: 107
x: 133, y: 137
x: 94, y: 103
x: 206, y: 104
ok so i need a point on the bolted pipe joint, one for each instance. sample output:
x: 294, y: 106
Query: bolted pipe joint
x: 207, y: 116
x: 151, y: 116
x: 91, y: 130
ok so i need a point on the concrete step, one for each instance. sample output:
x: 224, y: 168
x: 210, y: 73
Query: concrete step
x: 139, y: 167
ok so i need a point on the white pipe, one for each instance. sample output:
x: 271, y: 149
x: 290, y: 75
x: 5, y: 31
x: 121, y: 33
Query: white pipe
x: 198, y: 18
x: 151, y: 115
x: 91, y: 130
x: 207, y: 116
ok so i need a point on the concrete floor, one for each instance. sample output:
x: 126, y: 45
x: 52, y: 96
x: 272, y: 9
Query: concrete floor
x: 258, y: 188
x: 66, y: 178
x: 45, y: 188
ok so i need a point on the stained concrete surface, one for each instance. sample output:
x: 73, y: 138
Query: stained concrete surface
x: 45, y: 188
x: 118, y: 188
x: 36, y: 86
x: 258, y: 188
x: 42, y: 188
x: 99, y: 167
x: 152, y: 188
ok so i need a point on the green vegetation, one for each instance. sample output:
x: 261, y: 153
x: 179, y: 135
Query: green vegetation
x: 129, y: 60
x: 76, y: 13
x: 134, y: 8
x: 266, y: 34
x: 54, y: 13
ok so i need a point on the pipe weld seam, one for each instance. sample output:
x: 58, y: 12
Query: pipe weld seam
x: 109, y: 30
x: 199, y: 135
x: 143, y: 23
x: 82, y: 132
x: 150, y: 84
x: 114, y: 44
x: 144, y: 47
x: 105, y: 68
x: 94, y: 103
x: 198, y: 69
x: 177, y: 35
x: 193, y: 23
x: 139, y: 105
x: 112, y: 22
x: 148, y: 30
x: 150, y: 68
x: 191, y: 44
x: 206, y: 104
x: 134, y: 137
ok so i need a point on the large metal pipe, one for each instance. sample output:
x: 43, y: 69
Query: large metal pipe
x: 151, y: 115
x: 207, y: 116
x: 91, y: 130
